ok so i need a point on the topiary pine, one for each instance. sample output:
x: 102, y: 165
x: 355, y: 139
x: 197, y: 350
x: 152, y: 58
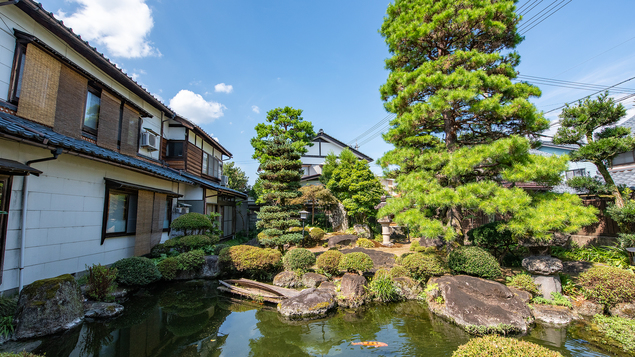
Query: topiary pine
x: 462, y: 125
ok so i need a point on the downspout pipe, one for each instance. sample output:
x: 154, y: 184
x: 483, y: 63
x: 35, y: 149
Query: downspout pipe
x: 25, y: 200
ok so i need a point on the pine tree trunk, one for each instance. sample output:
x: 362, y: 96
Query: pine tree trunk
x: 619, y: 200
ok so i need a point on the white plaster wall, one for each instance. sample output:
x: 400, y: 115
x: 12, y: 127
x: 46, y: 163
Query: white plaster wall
x: 589, y: 166
x: 174, y: 133
x: 313, y: 150
x: 65, y: 214
x: 312, y: 160
x: 190, y: 192
x: 154, y: 124
x: 328, y: 147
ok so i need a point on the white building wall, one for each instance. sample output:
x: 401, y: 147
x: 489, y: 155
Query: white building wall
x: 65, y: 215
x: 328, y: 148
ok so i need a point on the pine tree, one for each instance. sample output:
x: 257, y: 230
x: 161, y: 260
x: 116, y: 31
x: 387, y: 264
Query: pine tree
x: 278, y: 146
x: 462, y: 125
x: 236, y: 177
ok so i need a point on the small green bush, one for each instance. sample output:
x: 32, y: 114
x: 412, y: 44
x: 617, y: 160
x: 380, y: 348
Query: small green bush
x: 19, y: 354
x: 608, y: 285
x: 356, y: 262
x: 474, y: 261
x: 297, y: 229
x: 219, y: 247
x: 400, y: 259
x: 250, y: 260
x: 523, y: 281
x: 316, y: 233
x: 414, y: 245
x: 497, y: 346
x: 556, y: 299
x: 382, y: 288
x: 490, y: 237
x: 136, y: 271
x: 192, y: 223
x: 188, y: 243
x: 329, y: 261
x: 168, y: 267
x: 101, y: 282
x: 365, y: 243
x: 619, y: 329
x: 191, y: 260
x: 298, y: 259
x: 398, y: 271
x: 423, y: 266
x: 159, y: 250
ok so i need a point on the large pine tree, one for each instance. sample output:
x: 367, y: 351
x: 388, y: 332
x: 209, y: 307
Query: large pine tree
x: 462, y: 126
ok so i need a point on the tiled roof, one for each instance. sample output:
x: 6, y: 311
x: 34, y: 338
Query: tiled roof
x: 624, y: 176
x: 23, y: 128
x: 211, y: 184
x: 629, y: 123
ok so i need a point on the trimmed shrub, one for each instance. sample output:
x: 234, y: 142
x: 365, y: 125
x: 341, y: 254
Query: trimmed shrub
x: 316, y: 233
x: 608, y: 285
x: 191, y: 260
x: 497, y: 346
x: 329, y: 261
x: 400, y: 259
x: 101, y: 282
x: 136, y: 271
x: 414, y: 245
x: 298, y: 259
x: 296, y: 229
x: 423, y: 266
x: 219, y: 247
x: 192, y: 223
x: 159, y: 250
x: 398, y: 271
x: 489, y: 237
x: 188, y: 243
x: 250, y: 260
x: 474, y: 261
x: 523, y: 281
x: 356, y: 262
x: 365, y: 243
x: 168, y: 267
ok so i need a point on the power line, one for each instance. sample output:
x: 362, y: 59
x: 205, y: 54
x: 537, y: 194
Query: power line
x: 528, y: 10
x: 537, y: 16
x: 596, y: 56
x: 569, y: 84
x: 523, y: 5
x: 372, y: 137
x: 378, y: 124
x: 546, y: 17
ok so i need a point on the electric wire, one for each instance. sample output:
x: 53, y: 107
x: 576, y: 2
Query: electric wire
x: 540, y: 16
x: 594, y: 57
x: 371, y: 129
x: 523, y: 5
x: 569, y: 84
x: 537, y: 15
x: 529, y: 10
x: 527, y: 30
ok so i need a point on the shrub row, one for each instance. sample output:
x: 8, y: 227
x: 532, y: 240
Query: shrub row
x: 191, y: 260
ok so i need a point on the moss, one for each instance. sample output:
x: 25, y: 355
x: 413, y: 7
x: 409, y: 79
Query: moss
x: 52, y: 285
x: 318, y: 306
x: 500, y: 329
x: 496, y: 346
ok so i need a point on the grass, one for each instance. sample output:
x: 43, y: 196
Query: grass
x: 556, y: 299
x: 500, y: 329
x: 609, y: 255
x: 619, y: 329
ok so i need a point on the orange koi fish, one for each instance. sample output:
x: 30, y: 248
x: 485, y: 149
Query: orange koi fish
x: 370, y: 343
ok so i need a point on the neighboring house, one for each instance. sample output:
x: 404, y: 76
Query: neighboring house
x: 313, y: 160
x: 583, y: 168
x: 92, y: 167
x: 623, y: 168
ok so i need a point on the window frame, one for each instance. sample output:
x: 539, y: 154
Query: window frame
x: 125, y: 233
x: 167, y: 151
x: 168, y: 204
x: 575, y: 173
x: 5, y: 204
x: 96, y: 92
x: 17, y: 71
x: 212, y: 164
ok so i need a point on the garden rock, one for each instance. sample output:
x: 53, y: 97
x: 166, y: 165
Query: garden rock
x: 587, y: 308
x: 312, y: 280
x: 548, y: 284
x: 397, y: 233
x: 469, y: 301
x: 98, y: 310
x: 48, y: 306
x: 542, y: 265
x: 287, y: 279
x: 309, y: 304
x: 408, y: 288
x: 380, y: 259
x: 362, y: 230
x: 209, y: 270
x: 540, y: 247
x: 353, y: 286
x: 624, y: 310
x: 328, y: 285
x: 347, y: 239
x: 522, y: 294
x: 553, y: 315
x: 432, y: 242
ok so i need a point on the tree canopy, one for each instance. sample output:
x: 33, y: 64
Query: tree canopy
x: 236, y: 177
x: 463, y: 128
x: 286, y: 123
x: 315, y: 196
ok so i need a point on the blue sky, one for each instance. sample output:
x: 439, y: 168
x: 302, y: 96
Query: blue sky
x: 224, y: 64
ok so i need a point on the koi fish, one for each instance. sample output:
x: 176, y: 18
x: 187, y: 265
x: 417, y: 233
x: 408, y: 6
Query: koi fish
x: 370, y: 343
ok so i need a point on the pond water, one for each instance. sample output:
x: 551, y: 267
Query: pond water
x: 194, y: 319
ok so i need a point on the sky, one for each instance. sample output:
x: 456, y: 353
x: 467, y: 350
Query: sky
x: 224, y: 64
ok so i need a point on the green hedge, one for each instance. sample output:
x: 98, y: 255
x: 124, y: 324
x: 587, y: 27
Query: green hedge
x: 192, y: 223
x: 474, y: 261
x: 136, y: 271
x: 497, y: 346
x: 298, y: 259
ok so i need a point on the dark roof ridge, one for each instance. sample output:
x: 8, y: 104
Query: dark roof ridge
x: 355, y: 151
x: 195, y: 126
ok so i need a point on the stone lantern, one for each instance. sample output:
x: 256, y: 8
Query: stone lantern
x: 385, y: 224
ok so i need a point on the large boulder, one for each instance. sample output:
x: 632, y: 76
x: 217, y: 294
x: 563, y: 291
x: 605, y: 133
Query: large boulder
x: 407, y: 288
x: 287, y: 279
x: 313, y: 280
x: 328, y: 285
x: 209, y: 270
x: 479, y: 305
x: 362, y: 230
x: 624, y: 310
x: 587, y: 308
x: 102, y: 310
x: 346, y: 239
x: 542, y: 265
x: 48, y: 306
x: 553, y: 315
x: 352, y: 290
x: 309, y: 304
x: 432, y: 242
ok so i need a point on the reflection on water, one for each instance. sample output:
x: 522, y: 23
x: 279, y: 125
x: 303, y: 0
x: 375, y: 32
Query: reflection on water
x: 191, y: 319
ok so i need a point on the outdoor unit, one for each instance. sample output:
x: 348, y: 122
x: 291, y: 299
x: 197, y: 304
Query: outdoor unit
x: 150, y: 141
x: 223, y: 180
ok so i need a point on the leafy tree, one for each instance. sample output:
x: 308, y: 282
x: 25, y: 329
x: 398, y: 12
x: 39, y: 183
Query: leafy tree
x: 354, y: 184
x: 589, y: 125
x: 461, y: 129
x: 256, y: 191
x: 278, y: 148
x: 236, y: 177
x: 315, y: 195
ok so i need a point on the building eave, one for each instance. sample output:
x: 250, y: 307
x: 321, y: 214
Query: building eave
x: 323, y: 135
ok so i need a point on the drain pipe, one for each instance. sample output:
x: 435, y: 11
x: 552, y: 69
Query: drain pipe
x: 25, y: 200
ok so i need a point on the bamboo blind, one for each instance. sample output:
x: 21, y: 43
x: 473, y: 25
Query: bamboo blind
x: 71, y: 99
x: 40, y: 82
x: 145, y: 206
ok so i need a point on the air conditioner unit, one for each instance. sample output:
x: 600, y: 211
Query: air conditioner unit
x: 223, y: 180
x: 150, y: 141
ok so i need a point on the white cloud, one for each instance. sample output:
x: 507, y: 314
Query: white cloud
x: 122, y: 26
x: 225, y: 88
x: 195, y: 108
x: 255, y: 109
x: 242, y: 131
x: 230, y: 123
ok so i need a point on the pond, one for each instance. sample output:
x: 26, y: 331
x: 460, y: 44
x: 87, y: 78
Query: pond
x: 194, y: 319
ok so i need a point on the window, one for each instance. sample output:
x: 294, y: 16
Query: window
x: 91, y: 115
x: 168, y: 214
x: 575, y: 173
x: 122, y: 212
x: 174, y: 149
x: 305, y: 171
x: 18, y: 72
x: 212, y: 166
x: 624, y: 158
x: 228, y: 220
